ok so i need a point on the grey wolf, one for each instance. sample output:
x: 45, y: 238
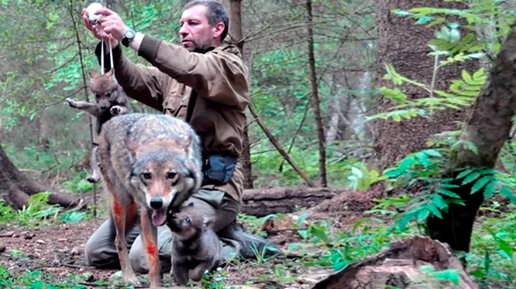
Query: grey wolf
x: 195, y: 246
x: 110, y: 100
x: 148, y: 164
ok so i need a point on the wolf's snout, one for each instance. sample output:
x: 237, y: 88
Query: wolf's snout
x: 156, y: 203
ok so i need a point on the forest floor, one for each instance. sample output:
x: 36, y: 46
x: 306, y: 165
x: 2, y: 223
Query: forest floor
x: 58, y: 250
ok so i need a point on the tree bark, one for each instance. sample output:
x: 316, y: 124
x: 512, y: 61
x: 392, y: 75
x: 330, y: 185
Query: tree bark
x: 236, y: 36
x: 488, y: 128
x: 315, y: 96
x: 405, y: 45
x: 16, y: 188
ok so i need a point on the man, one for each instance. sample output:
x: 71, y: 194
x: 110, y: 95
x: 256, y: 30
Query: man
x: 205, y: 83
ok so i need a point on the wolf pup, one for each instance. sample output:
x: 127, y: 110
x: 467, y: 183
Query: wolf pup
x: 148, y: 164
x: 195, y: 246
x: 110, y: 100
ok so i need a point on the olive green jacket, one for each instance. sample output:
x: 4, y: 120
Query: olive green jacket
x: 210, y: 91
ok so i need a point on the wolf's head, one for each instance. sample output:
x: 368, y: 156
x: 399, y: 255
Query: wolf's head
x: 162, y: 174
x: 105, y: 88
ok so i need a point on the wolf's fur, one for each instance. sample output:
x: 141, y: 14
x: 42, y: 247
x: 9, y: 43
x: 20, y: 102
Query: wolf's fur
x: 110, y: 100
x: 195, y: 246
x: 148, y: 163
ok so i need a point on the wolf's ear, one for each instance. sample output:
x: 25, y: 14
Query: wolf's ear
x: 110, y: 72
x: 94, y: 74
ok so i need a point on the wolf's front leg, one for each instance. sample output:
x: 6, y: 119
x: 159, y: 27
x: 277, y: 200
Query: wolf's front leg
x: 88, y: 107
x: 150, y: 244
x: 119, y: 213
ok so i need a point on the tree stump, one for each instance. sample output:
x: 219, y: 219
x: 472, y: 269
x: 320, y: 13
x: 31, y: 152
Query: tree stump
x: 399, y: 267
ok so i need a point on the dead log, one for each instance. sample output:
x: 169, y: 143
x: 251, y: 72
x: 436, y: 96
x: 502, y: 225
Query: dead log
x: 262, y: 202
x: 398, y: 267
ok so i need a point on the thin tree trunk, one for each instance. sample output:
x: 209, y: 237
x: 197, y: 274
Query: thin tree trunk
x: 86, y: 97
x: 488, y: 128
x: 235, y: 32
x: 315, y: 97
x: 282, y: 152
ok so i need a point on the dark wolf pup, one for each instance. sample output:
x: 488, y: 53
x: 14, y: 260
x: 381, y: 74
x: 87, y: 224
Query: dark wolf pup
x: 195, y: 246
x: 110, y: 100
x: 148, y: 163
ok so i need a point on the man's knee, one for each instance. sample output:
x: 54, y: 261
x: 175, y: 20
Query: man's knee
x: 99, y: 256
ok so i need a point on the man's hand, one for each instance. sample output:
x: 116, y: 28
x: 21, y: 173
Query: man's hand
x: 109, y: 27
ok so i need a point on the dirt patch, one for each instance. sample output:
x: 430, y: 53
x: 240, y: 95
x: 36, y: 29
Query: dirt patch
x: 59, y: 249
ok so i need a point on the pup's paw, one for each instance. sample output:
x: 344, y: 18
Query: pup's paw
x: 71, y: 102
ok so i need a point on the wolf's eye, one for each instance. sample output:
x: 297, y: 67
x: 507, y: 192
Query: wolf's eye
x: 108, y: 94
x: 187, y: 220
x: 171, y: 175
x: 97, y: 95
x: 146, y: 176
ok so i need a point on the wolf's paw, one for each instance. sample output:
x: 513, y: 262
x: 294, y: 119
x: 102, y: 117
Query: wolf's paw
x: 120, y: 279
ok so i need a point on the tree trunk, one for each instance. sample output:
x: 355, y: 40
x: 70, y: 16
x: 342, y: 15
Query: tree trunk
x: 405, y: 45
x: 16, y: 188
x: 488, y: 128
x: 235, y: 33
x: 315, y: 96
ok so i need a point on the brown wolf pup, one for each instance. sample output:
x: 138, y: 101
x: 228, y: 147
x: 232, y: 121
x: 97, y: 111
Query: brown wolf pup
x: 148, y: 163
x: 195, y: 246
x: 110, y: 100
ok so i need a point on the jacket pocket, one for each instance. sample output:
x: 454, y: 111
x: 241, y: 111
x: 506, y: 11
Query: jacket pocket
x: 175, y: 105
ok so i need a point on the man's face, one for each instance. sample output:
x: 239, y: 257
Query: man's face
x: 195, y: 31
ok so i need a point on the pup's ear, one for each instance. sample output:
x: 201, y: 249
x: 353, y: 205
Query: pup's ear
x: 94, y: 74
x: 207, y: 222
x: 110, y: 72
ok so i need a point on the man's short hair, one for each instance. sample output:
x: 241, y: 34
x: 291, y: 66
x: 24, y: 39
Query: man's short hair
x: 216, y: 13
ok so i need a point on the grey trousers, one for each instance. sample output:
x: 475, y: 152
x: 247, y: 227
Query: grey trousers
x: 219, y: 207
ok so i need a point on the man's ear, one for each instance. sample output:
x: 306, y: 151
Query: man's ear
x: 218, y: 29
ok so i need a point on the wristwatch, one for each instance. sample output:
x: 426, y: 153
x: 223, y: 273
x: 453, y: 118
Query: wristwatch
x: 129, y: 35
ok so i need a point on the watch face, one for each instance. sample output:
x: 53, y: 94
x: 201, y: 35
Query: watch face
x: 129, y: 34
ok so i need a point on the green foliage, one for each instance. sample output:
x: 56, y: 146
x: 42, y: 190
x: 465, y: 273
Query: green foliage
x: 36, y: 279
x: 492, y: 260
x: 423, y: 172
x: 38, y: 213
x: 450, y: 275
x: 462, y: 92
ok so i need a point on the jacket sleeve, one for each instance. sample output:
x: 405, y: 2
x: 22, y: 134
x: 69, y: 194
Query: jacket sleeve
x: 217, y: 75
x: 144, y: 84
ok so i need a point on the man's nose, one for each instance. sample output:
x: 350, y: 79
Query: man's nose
x: 183, y: 30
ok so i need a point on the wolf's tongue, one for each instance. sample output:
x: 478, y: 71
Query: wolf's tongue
x: 159, y: 216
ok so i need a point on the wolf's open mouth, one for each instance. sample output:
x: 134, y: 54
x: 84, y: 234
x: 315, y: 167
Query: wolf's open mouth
x: 159, y: 217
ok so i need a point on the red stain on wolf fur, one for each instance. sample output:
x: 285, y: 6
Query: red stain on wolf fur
x: 117, y: 208
x: 152, y: 250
